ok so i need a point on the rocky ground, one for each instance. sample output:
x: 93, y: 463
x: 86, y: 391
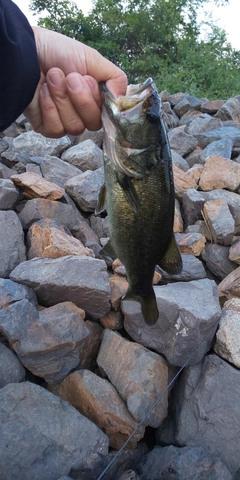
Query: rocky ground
x: 79, y: 368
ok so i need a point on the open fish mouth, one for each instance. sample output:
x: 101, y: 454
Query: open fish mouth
x: 130, y: 113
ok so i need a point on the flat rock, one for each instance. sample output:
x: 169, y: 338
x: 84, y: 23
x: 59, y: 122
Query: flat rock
x: 86, y: 155
x: 57, y: 171
x: 12, y: 248
x: 84, y: 189
x: 11, y: 369
x: 202, y: 409
x: 52, y: 437
x: 11, y: 292
x: 98, y: 400
x: 49, y: 239
x: 228, y: 337
x: 181, y: 142
x: 139, y: 376
x: 187, y: 311
x: 193, y: 269
x: 35, y: 186
x: 192, y: 243
x: 219, y: 220
x: 36, y: 145
x: 217, y: 260
x: 46, y: 342
x: 81, y: 280
x: 9, y: 195
x: 183, y: 463
x: 217, y: 134
x: 219, y: 172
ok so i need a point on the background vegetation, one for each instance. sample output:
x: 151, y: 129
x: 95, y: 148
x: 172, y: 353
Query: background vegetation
x: 157, y: 38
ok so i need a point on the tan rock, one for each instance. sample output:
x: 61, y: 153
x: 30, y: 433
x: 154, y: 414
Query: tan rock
x: 234, y: 252
x: 230, y: 285
x: 227, y: 344
x: 112, y: 320
x: 156, y: 278
x: 48, y: 239
x: 139, y: 376
x: 35, y: 186
x: 118, y: 267
x: 232, y: 304
x: 119, y: 286
x: 212, y: 106
x: 220, y: 172
x: 192, y: 243
x: 98, y: 400
x: 178, y: 221
x: 219, y: 220
x: 185, y: 180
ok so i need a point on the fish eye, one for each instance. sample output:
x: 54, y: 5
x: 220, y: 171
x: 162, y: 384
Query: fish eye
x: 152, y: 118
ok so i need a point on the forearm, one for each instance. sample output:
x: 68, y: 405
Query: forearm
x: 20, y: 71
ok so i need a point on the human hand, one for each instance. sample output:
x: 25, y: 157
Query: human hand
x: 67, y: 99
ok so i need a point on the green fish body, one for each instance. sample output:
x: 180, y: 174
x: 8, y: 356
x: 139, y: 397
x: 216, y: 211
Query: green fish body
x: 139, y: 194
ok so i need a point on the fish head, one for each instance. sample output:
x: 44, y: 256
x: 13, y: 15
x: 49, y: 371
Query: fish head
x: 132, y: 128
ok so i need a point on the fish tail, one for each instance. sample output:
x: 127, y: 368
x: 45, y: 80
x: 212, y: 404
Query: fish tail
x: 148, y: 305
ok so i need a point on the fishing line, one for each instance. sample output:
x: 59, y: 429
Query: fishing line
x: 154, y: 405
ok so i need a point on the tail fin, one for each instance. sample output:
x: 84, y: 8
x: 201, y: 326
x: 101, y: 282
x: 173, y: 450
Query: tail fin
x: 148, y: 306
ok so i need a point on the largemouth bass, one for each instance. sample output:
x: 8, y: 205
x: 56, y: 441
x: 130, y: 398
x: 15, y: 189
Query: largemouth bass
x: 138, y: 191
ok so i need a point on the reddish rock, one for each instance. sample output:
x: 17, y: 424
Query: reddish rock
x: 36, y: 186
x: 178, y: 221
x: 220, y: 172
x: 192, y: 243
x: 119, y: 286
x: 230, y: 285
x: 185, y: 180
x: 212, y: 106
x: 112, y: 320
x: 219, y: 220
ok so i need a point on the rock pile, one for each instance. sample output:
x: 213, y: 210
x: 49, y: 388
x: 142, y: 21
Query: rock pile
x: 79, y: 368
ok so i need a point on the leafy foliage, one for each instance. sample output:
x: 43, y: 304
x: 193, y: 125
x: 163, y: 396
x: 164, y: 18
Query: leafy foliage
x: 157, y: 38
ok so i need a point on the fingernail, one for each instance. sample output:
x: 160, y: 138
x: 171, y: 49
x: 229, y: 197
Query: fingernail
x: 45, y: 90
x: 55, y: 78
x: 74, y: 82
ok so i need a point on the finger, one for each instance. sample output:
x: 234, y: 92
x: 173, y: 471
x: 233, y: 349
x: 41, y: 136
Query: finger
x: 82, y: 97
x: 51, y: 122
x: 72, y: 122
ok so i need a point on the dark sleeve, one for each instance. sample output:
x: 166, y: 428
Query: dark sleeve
x: 20, y: 71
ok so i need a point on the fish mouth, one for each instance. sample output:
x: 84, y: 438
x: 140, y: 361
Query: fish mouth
x: 132, y: 108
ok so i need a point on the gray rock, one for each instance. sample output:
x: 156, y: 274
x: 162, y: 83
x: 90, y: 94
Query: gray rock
x: 169, y: 116
x: 12, y: 248
x: 187, y: 311
x: 186, y: 463
x: 211, y: 106
x: 95, y: 136
x: 58, y: 171
x: 203, y: 123
x: 217, y: 134
x: 192, y: 205
x: 216, y: 258
x: 11, y: 370
x: 43, y: 437
x: 228, y: 337
x: 6, y: 172
x: 139, y: 376
x: 230, y: 110
x: 205, y: 410
x: 219, y: 220
x: 192, y: 270
x: 36, y: 145
x: 32, y: 167
x: 39, y: 208
x: 46, y: 342
x: 186, y: 103
x: 179, y: 161
x: 181, y: 142
x: 221, y: 147
x: 89, y: 348
x: 86, y: 155
x: 84, y: 189
x: 8, y: 194
x: 81, y: 280
x: 200, y: 227
x: 11, y: 292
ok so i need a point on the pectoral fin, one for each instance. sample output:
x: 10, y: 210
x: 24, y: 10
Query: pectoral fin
x: 129, y: 191
x: 101, y: 204
x: 171, y: 262
x: 108, y: 251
